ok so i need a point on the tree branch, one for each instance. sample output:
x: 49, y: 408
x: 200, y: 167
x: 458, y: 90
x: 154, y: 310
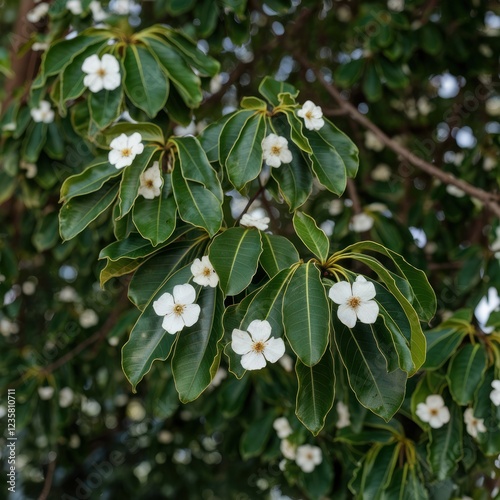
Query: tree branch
x: 489, y: 199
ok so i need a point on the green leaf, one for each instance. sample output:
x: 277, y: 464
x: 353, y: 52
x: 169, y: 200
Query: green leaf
x: 465, y: 372
x: 54, y: 145
x: 196, y: 204
x: 444, y: 450
x: 195, y: 165
x: 149, y: 132
x: 244, y: 162
x: 105, y: 106
x: 179, y: 72
x: 206, y: 65
x: 392, y: 73
x: 114, y: 269
x: 77, y: 213
x: 270, y: 89
x: 62, y: 53
x: 235, y: 256
x: 195, y: 359
x: 348, y: 74
x: 430, y: 39
x: 311, y: 235
x: 251, y: 102
x: 34, y: 141
x: 133, y: 247
x: 375, y: 388
x: 155, y: 219
x: 372, y: 86
x: 209, y: 138
x: 153, y: 273
x: 129, y: 186
x: 441, y: 344
x: 178, y: 7
x: 231, y: 131
x: 90, y: 180
x: 148, y: 340
x: 297, y: 131
x: 145, y: 82
x: 47, y: 232
x: 254, y: 439
x: 277, y: 253
x: 306, y: 314
x: 316, y: 392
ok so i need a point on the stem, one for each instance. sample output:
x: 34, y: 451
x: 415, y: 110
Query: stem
x: 250, y: 201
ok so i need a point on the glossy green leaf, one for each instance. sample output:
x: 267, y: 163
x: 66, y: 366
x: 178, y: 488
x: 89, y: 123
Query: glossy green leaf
x: 54, y: 145
x: 148, y: 340
x: 244, y: 162
x: 235, y: 256
x: 149, y: 132
x: 465, y: 372
x: 196, y: 204
x: 231, y: 131
x: 270, y: 89
x: 209, y: 139
x: 254, y: 439
x: 155, y: 219
x: 349, y: 73
x: 445, y: 448
x: 372, y: 86
x: 195, y: 165
x: 316, y: 392
x: 90, y: 180
x: 297, y: 131
x: 130, y: 183
x: 34, y: 141
x: 105, y: 106
x: 145, y: 82
x: 251, y: 102
x: 277, y: 253
x: 306, y: 314
x: 178, y: 71
x: 311, y: 235
x: 375, y: 388
x: 441, y: 344
x: 77, y: 213
x: 196, y: 356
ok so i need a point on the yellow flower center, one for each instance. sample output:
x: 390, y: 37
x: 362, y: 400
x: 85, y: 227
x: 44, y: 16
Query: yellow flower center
x: 149, y: 184
x: 259, y: 346
x: 309, y: 115
x: 276, y: 150
x: 434, y: 412
x: 354, y: 302
x: 206, y: 272
x: 126, y: 152
x: 178, y: 309
x: 101, y: 72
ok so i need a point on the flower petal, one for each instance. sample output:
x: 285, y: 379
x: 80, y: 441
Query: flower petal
x: 172, y: 323
x: 253, y: 361
x: 367, y: 312
x: 135, y: 139
x: 110, y: 63
x: 119, y: 142
x: 191, y: 314
x: 184, y: 294
x: 112, y: 81
x: 434, y: 401
x: 340, y: 292
x: 259, y: 330
x: 347, y: 315
x: 241, y: 342
x: 92, y: 64
x: 164, y: 304
x: 365, y: 290
x: 275, y: 348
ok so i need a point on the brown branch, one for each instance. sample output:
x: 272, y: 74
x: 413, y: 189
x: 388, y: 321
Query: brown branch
x: 48, y: 480
x: 489, y: 199
x: 353, y: 195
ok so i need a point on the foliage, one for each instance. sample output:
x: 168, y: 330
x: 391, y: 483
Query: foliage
x: 106, y: 395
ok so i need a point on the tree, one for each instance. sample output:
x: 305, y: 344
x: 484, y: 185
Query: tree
x: 248, y: 247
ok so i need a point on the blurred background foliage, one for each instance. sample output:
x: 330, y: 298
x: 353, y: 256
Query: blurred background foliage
x: 425, y: 72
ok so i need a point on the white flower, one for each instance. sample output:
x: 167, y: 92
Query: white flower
x: 275, y: 150
x: 373, y: 142
x: 43, y: 114
x: 219, y: 376
x: 8, y: 327
x: 355, y: 303
x: 308, y: 457
x: 282, y: 427
x: 489, y: 164
x: 424, y: 106
x: 495, y: 393
x: 46, y: 392
x: 344, y: 417
x: 288, y: 449
x: 98, y: 13
x: 90, y: 407
x: 249, y: 220
x: 257, y: 347
x: 312, y: 115
x: 493, y: 106
x: 344, y: 13
x: 361, y: 222
x: 151, y: 182
x: 124, y: 149
x: 204, y: 273
x: 396, y: 5
x: 31, y: 169
x: 101, y: 73
x: 123, y: 7
x: 178, y: 308
x: 454, y: 191
x: 181, y: 131
x: 381, y: 173
x: 335, y: 207
x: 74, y: 6
x: 433, y: 411
x: 39, y: 46
x: 37, y: 13
x: 66, y: 397
x: 67, y: 294
x: 88, y: 318
x: 286, y: 362
x: 215, y: 83
x: 29, y: 287
x: 474, y: 425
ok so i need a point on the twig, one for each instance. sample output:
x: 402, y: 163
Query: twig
x: 250, y: 201
x: 353, y: 194
x: 48, y: 480
x: 489, y: 199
